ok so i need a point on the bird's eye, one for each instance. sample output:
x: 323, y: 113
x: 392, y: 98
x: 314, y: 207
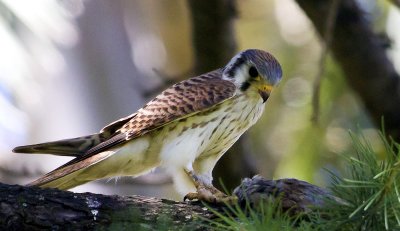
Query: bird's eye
x: 253, y: 72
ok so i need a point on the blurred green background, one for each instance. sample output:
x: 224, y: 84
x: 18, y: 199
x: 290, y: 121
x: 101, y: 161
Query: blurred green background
x: 68, y: 68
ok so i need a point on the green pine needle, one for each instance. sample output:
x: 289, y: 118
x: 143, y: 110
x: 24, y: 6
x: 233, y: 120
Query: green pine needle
x: 369, y: 190
x: 265, y: 217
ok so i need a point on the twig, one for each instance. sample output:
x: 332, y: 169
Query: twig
x: 330, y: 23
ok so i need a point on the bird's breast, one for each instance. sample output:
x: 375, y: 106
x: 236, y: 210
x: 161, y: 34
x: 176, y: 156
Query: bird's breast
x: 211, y: 132
x: 237, y: 117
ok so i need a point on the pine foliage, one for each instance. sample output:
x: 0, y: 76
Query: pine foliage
x: 369, y: 192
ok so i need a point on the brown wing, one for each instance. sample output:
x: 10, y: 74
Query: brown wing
x: 179, y: 101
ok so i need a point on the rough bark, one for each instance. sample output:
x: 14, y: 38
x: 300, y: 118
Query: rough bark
x: 214, y: 45
x: 362, y: 56
x: 33, y: 208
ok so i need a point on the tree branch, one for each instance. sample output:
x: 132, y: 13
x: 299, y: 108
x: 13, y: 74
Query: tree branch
x: 363, y: 59
x: 33, y: 208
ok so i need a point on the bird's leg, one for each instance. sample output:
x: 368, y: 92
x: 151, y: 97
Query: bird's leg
x: 207, y: 192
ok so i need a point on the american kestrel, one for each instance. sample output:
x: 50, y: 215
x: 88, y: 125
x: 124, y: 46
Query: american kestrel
x: 185, y: 129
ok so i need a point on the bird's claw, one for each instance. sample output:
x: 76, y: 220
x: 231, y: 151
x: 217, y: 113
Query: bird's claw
x: 190, y: 196
x: 211, y: 195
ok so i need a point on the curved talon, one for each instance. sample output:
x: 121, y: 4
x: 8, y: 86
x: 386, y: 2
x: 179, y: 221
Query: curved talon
x: 207, y: 192
x: 191, y: 196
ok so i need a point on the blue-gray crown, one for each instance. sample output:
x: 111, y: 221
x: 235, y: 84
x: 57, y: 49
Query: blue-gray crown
x: 265, y: 63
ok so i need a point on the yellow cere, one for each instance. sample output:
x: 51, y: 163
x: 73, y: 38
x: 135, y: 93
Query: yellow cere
x: 267, y: 87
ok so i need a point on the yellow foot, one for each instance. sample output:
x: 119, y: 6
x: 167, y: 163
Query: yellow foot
x: 209, y: 193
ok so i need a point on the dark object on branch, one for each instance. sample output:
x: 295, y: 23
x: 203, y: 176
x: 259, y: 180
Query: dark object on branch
x: 296, y: 196
x: 32, y: 208
x: 363, y: 59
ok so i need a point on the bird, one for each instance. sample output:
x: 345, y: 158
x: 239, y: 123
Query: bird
x: 185, y: 130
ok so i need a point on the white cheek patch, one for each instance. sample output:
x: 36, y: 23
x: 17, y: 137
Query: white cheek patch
x: 239, y: 77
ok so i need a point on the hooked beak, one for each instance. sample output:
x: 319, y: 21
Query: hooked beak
x: 265, y: 91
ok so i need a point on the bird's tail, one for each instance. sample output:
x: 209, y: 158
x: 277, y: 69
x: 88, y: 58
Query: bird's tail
x: 68, y: 147
x: 75, y: 173
x: 64, y: 183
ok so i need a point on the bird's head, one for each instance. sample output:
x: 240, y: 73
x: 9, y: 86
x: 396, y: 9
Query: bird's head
x: 254, y: 71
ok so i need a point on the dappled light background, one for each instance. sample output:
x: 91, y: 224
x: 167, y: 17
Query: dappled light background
x: 68, y: 68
